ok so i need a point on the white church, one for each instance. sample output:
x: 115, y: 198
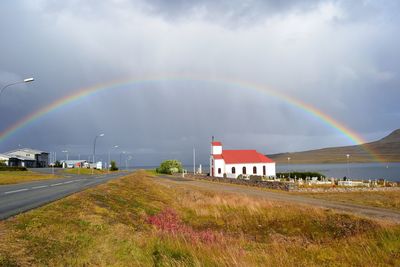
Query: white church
x: 233, y: 163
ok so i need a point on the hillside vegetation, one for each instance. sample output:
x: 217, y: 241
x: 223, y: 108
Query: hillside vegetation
x: 134, y: 221
x: 386, y: 149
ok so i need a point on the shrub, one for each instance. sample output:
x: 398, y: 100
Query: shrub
x: 113, y: 166
x: 168, y: 221
x: 170, y: 167
x: 57, y: 164
x: 299, y: 175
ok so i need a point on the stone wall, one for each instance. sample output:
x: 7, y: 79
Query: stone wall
x: 290, y: 186
x: 346, y: 189
x: 286, y: 186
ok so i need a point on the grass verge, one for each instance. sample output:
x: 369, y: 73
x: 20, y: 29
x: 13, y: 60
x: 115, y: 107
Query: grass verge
x: 380, y: 199
x: 15, y: 177
x: 134, y: 221
x: 85, y: 171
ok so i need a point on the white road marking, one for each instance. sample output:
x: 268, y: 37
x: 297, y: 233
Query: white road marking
x: 68, y: 182
x: 41, y: 186
x: 56, y: 184
x: 16, y: 191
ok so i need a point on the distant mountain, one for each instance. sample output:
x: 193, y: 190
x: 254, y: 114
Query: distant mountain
x: 386, y: 149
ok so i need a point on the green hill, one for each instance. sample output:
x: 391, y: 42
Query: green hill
x: 386, y: 149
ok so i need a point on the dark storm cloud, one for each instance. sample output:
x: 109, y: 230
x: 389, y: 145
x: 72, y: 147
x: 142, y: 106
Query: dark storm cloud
x: 339, y: 56
x: 233, y: 10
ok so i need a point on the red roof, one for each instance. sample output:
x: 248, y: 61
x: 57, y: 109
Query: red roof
x: 216, y: 143
x: 243, y: 156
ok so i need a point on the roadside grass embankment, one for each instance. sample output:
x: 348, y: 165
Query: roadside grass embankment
x: 379, y: 199
x: 85, y: 171
x: 15, y: 177
x: 134, y: 221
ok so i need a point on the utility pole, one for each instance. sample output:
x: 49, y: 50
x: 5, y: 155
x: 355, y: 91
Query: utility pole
x: 54, y: 162
x: 194, y: 161
x: 109, y: 157
x: 94, y: 150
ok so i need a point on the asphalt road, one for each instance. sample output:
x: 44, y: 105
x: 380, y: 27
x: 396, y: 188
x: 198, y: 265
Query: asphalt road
x: 18, y: 198
x: 365, y: 211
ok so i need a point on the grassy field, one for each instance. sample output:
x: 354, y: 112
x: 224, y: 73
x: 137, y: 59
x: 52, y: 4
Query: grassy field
x: 380, y: 199
x: 15, y: 177
x: 134, y: 221
x: 85, y: 171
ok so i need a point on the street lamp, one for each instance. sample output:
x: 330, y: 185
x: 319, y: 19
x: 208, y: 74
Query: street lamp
x: 120, y: 158
x: 288, y: 161
x: 109, y: 157
x: 28, y: 80
x: 94, y: 147
x: 348, y: 171
x: 65, y: 151
x: 126, y: 161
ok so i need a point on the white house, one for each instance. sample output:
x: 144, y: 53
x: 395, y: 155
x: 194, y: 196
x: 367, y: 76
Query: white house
x: 27, y: 157
x: 74, y: 164
x: 233, y: 163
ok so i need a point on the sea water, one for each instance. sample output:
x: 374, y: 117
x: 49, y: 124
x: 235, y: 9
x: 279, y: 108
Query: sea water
x: 388, y: 171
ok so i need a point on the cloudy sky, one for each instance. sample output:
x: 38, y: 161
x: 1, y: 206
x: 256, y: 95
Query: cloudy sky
x: 342, y: 57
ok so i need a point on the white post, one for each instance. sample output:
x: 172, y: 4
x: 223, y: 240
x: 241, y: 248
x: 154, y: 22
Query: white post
x: 194, y: 161
x: 54, y: 162
x: 109, y: 163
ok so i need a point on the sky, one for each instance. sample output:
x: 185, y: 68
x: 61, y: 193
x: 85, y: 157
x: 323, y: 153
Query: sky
x: 341, y: 57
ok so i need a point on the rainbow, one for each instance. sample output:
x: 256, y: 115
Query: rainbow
x: 87, y: 91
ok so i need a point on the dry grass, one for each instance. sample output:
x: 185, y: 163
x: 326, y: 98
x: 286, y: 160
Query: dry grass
x: 135, y: 222
x: 85, y: 171
x: 15, y: 177
x: 380, y: 199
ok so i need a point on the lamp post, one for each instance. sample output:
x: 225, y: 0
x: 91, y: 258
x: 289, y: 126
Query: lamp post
x: 194, y: 161
x: 288, y: 161
x: 28, y: 80
x: 94, y: 148
x: 348, y: 171
x: 109, y: 157
x: 120, y: 158
x: 80, y: 164
x: 126, y: 161
x: 65, y: 151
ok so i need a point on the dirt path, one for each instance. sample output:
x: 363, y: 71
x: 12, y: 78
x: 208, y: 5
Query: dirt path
x: 370, y: 212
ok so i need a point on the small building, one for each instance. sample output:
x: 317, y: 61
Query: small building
x: 97, y: 165
x: 9, y: 161
x: 74, y: 163
x: 232, y: 163
x: 27, y: 157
